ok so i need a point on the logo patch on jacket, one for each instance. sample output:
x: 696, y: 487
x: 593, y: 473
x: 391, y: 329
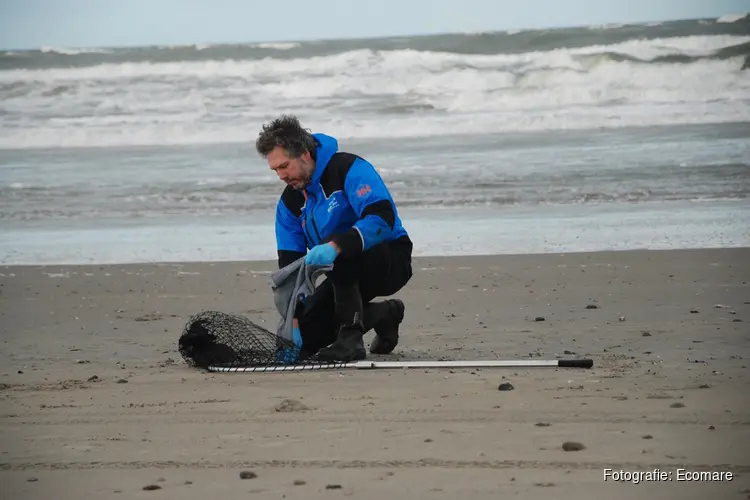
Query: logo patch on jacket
x: 363, y: 190
x: 332, y: 205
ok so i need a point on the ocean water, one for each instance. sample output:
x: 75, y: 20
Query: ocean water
x: 590, y: 138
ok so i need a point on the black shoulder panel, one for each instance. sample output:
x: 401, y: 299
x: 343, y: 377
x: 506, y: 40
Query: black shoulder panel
x: 294, y: 200
x: 335, y: 174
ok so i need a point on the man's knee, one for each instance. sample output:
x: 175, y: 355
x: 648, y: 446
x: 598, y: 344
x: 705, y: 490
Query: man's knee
x: 346, y: 271
x: 381, y: 270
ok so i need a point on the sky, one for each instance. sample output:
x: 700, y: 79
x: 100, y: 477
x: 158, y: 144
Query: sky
x: 28, y: 24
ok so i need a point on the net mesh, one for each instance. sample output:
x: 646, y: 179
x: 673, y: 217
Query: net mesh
x: 213, y: 338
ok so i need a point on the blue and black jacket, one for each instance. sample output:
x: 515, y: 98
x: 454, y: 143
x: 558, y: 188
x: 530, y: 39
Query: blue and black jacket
x: 346, y: 201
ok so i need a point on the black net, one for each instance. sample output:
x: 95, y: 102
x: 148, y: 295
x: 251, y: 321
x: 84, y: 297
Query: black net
x: 213, y: 338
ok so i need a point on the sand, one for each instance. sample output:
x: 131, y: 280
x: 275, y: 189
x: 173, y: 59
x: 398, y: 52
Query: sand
x: 97, y: 402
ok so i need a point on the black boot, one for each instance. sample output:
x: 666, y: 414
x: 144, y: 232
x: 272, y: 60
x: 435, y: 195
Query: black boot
x: 385, y: 317
x: 348, y: 345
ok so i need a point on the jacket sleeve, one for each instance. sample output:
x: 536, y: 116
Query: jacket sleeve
x: 371, y: 200
x: 290, y: 237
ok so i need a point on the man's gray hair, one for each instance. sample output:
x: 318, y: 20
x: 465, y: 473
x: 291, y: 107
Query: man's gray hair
x: 286, y: 132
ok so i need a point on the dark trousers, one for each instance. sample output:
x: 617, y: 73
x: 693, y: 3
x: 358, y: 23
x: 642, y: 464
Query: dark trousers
x: 379, y: 271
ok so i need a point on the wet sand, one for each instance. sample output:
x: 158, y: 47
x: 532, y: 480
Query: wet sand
x: 97, y: 402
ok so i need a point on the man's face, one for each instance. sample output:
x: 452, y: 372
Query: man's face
x: 295, y: 172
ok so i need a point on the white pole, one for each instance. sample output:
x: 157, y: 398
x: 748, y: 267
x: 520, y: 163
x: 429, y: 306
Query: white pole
x: 372, y: 365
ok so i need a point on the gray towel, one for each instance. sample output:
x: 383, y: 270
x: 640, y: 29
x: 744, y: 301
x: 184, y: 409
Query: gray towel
x: 290, y: 284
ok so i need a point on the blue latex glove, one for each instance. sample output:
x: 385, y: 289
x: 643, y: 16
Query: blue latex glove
x: 321, y: 255
x: 289, y: 355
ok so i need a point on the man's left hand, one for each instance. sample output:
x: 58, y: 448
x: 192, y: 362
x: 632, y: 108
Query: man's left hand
x: 322, y: 255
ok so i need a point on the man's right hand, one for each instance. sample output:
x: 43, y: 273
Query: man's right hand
x: 322, y: 255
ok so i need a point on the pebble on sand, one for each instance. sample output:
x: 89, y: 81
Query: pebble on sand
x: 572, y: 446
x: 290, y: 405
x: 592, y: 306
x: 333, y: 486
x: 677, y: 405
x: 248, y: 474
x: 151, y: 487
x: 505, y: 386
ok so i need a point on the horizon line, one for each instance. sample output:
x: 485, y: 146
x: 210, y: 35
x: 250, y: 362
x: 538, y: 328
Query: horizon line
x: 382, y: 36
